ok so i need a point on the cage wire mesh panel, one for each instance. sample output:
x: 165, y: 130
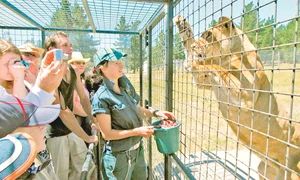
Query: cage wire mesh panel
x: 19, y: 37
x: 222, y: 136
x: 158, y: 86
x: 104, y: 15
x: 226, y: 139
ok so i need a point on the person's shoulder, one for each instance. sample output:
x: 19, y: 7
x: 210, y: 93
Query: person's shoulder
x: 101, y: 95
x: 102, y: 91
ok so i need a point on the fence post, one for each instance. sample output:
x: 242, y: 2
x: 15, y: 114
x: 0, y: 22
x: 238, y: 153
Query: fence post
x: 149, y: 32
x: 169, y: 76
x: 43, y: 38
x: 141, y: 67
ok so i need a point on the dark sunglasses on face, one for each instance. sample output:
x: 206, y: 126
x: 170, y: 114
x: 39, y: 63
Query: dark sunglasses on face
x: 29, y: 55
x: 79, y: 62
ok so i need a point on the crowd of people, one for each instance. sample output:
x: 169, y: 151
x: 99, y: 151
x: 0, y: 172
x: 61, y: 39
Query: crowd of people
x: 48, y: 109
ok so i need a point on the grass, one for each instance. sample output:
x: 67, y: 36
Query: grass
x: 203, y: 127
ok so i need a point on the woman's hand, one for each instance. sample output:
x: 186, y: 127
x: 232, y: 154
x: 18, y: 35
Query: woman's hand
x: 144, y: 131
x: 17, y: 70
x: 95, y: 127
x: 30, y: 77
x: 165, y: 115
x: 92, y: 139
x: 77, y: 71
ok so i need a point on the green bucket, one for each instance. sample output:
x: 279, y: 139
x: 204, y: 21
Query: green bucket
x: 167, y: 139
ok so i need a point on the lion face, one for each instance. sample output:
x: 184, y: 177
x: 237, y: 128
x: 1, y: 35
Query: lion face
x: 214, y: 43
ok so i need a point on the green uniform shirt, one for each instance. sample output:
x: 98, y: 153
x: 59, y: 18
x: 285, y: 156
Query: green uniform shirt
x: 122, y: 107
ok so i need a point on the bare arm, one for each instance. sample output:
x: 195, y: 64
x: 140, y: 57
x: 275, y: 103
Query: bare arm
x: 143, y: 112
x: 19, y: 89
x: 71, y: 122
x: 77, y: 107
x: 185, y: 32
x: 113, y: 134
x: 84, y: 100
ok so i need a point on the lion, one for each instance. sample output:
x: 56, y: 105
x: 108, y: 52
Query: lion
x: 224, y: 59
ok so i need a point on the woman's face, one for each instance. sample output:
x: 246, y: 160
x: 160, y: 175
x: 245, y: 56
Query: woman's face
x: 7, y: 60
x: 113, y: 70
x: 30, y: 57
x: 79, y: 65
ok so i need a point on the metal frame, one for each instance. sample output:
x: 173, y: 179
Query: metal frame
x: 149, y: 33
x: 91, y: 10
x: 169, y: 76
x: 151, y: 1
x: 21, y: 14
x: 88, y: 12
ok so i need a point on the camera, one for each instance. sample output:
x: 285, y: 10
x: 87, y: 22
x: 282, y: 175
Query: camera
x: 25, y: 63
x: 60, y: 56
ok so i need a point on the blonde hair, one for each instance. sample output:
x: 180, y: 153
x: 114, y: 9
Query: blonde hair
x: 7, y: 47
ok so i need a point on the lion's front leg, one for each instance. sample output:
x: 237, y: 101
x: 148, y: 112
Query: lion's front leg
x: 222, y: 79
x: 186, y: 34
x: 271, y: 172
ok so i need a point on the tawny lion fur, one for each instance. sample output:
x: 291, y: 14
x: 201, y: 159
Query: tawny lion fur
x: 225, y: 60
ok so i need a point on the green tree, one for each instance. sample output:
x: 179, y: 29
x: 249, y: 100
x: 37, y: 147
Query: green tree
x: 135, y: 49
x: 249, y: 22
x: 123, y: 41
x: 158, y: 50
x: 74, y: 17
x: 129, y: 44
x: 265, y: 36
x: 178, y: 48
x: 160, y: 46
x: 62, y: 16
x: 285, y: 34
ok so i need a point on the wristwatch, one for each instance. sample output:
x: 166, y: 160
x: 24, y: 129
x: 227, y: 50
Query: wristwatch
x: 154, y: 113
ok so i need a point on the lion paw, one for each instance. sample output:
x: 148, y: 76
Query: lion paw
x: 183, y: 26
x: 177, y: 19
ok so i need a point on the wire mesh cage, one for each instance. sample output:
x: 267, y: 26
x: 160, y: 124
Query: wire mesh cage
x: 234, y: 79
x: 223, y: 136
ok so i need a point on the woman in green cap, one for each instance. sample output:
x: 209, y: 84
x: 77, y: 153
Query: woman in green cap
x: 116, y: 107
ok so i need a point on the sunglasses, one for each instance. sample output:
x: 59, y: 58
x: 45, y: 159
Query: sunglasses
x: 79, y: 62
x: 29, y: 55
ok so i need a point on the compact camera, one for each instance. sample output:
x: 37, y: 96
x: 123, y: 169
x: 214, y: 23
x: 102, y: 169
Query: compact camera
x: 60, y: 56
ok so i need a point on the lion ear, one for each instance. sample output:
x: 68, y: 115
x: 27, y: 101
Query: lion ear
x: 226, y: 22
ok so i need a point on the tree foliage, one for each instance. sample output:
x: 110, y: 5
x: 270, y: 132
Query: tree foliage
x: 129, y: 44
x: 68, y: 16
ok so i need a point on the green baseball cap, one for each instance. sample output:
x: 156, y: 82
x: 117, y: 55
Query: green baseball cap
x: 108, y: 54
